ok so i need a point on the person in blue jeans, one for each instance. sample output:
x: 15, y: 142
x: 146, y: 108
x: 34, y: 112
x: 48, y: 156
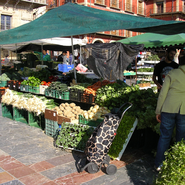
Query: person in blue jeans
x: 170, y: 110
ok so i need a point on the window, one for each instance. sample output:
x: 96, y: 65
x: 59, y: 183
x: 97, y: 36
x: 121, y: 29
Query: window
x: 140, y: 7
x: 114, y: 32
x: 159, y: 7
x: 5, y: 22
x: 101, y: 2
x: 128, y: 6
x: 114, y: 3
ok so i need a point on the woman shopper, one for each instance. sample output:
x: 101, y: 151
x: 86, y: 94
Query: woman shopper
x: 170, y: 110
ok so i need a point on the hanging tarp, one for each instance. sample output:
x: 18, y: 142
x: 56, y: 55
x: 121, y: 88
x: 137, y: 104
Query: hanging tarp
x: 109, y: 60
x: 152, y: 40
x: 53, y: 44
x: 73, y: 19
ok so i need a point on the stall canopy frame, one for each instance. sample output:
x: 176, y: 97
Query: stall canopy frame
x: 73, y: 19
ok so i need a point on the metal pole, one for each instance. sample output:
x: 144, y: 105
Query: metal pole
x: 73, y: 61
x: 0, y: 62
x: 80, y: 55
x: 41, y: 52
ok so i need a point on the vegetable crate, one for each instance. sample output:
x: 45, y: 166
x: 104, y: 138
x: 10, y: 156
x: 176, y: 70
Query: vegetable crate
x: 13, y: 85
x: 51, y: 128
x: 43, y: 88
x: 62, y: 95
x: 30, y: 89
x: 2, y: 91
x: 51, y: 115
x: 7, y: 111
x: 87, y: 98
x: 89, y: 122
x: 3, y: 83
x: 24, y: 88
x: 50, y: 93
x: 62, y: 119
x: 36, y: 90
x: 74, y: 136
x: 36, y: 121
x: 20, y: 115
x: 74, y: 94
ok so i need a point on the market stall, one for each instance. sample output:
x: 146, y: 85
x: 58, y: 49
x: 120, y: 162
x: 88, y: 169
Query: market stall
x: 67, y: 106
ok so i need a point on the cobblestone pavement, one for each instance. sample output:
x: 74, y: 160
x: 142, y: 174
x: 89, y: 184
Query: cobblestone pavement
x: 28, y: 157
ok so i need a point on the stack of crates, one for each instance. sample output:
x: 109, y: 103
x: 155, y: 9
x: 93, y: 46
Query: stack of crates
x: 51, y: 123
x: 20, y: 115
x: 36, y: 121
x: 7, y: 111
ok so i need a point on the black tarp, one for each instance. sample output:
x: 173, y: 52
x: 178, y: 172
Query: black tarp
x: 109, y: 60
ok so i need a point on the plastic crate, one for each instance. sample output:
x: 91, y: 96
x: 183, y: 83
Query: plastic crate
x: 36, y: 90
x: 7, y: 111
x: 65, y: 68
x: 50, y: 114
x: 24, y: 88
x: 18, y: 85
x: 62, y: 95
x: 30, y: 89
x: 87, y: 98
x: 3, y: 83
x: 20, y: 115
x: 10, y: 84
x: 75, y: 95
x: 36, y: 121
x: 51, y: 128
x: 42, y: 89
x: 50, y: 93
x: 89, y: 122
x: 62, y: 119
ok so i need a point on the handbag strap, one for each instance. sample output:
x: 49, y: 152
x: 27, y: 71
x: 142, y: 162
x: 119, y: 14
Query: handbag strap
x: 182, y: 70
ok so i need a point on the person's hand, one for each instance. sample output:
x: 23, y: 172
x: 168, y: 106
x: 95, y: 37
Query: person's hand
x: 158, y: 118
x: 159, y: 86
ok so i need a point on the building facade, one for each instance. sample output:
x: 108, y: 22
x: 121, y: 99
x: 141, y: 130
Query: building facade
x: 166, y: 9
x: 14, y: 13
x: 132, y: 7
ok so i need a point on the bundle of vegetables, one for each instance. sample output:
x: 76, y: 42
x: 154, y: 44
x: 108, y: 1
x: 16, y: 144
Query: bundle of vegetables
x: 4, y: 77
x: 45, y: 83
x: 73, y: 136
x: 78, y: 87
x: 58, y: 86
x: 93, y: 88
x: 27, y: 101
x: 95, y: 112
x: 69, y: 110
x: 121, y: 135
x: 145, y: 69
x: 26, y: 72
x: 105, y: 94
x: 53, y: 78
x: 32, y: 81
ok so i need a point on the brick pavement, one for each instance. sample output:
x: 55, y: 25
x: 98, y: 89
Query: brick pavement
x: 28, y: 157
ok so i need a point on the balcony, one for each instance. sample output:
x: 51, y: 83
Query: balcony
x: 28, y: 3
x: 158, y: 12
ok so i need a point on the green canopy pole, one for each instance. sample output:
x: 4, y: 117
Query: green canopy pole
x: 73, y: 61
x: 0, y: 62
x: 41, y: 52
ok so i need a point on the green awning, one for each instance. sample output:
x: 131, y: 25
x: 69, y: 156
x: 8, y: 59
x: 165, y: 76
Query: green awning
x: 73, y: 19
x: 152, y: 40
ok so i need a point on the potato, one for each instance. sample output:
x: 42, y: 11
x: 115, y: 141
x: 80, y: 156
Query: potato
x: 61, y: 107
x: 96, y: 106
x: 62, y: 104
x: 72, y: 105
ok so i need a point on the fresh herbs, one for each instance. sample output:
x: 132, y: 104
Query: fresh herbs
x: 122, y: 133
x: 74, y: 136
